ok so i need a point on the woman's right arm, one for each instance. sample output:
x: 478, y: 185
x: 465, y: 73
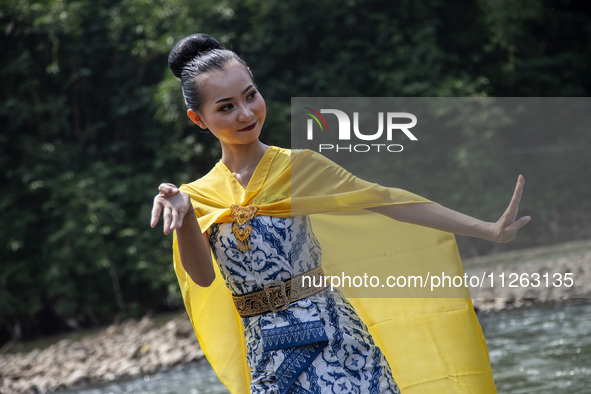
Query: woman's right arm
x: 194, y: 248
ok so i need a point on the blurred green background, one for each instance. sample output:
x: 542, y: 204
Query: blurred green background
x: 92, y: 121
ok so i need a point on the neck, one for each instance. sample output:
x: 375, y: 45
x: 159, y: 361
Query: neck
x: 240, y: 158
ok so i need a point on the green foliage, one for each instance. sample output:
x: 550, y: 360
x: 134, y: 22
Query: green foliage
x: 83, y: 155
x: 92, y: 121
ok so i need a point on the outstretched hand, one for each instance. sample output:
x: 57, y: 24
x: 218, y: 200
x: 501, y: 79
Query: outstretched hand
x: 173, y: 205
x: 506, y: 227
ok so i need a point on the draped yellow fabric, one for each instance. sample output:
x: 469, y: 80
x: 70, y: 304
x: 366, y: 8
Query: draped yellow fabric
x: 433, y: 344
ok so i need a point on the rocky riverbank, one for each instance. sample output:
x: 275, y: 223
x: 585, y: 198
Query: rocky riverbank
x: 129, y: 349
x: 137, y: 348
x: 529, y: 277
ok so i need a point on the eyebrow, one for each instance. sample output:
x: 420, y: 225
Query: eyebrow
x: 228, y: 99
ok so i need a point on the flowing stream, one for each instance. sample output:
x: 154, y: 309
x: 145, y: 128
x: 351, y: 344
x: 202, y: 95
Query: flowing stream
x: 538, y: 349
x: 546, y: 349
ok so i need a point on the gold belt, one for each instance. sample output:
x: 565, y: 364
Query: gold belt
x: 276, y: 296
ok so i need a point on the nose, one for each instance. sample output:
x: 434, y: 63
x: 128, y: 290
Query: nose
x: 244, y: 113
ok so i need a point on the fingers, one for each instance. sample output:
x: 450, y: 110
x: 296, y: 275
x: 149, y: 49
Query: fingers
x: 171, y: 220
x: 168, y: 189
x: 156, y: 210
x: 176, y: 220
x: 166, y: 219
x: 519, y: 223
x: 511, y: 211
x: 507, y: 227
x: 162, y: 205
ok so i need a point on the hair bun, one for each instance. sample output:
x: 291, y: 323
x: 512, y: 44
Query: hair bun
x: 188, y: 48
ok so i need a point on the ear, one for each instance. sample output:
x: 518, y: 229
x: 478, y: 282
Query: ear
x: 196, y: 118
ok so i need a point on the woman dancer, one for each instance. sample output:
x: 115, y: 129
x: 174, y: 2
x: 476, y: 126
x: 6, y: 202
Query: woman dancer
x: 297, y: 339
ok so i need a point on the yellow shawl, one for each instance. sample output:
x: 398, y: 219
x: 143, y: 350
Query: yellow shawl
x: 432, y: 344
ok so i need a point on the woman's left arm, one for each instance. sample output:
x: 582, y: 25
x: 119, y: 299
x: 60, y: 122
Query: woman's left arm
x: 445, y: 219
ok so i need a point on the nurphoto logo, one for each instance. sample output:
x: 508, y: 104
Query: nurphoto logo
x: 381, y: 139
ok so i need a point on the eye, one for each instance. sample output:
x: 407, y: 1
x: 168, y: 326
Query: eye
x: 251, y: 95
x: 226, y: 107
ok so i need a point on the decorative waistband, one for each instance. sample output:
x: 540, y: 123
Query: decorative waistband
x: 276, y: 296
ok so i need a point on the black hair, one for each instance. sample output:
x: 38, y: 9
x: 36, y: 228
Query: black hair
x: 196, y: 55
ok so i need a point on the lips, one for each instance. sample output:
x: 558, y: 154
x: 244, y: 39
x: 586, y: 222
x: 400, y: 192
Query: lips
x: 248, y: 128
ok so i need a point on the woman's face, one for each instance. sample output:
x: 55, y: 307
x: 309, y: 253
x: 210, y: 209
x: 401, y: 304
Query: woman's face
x: 232, y: 108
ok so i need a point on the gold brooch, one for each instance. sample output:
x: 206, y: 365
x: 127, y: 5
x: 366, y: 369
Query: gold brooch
x: 241, y: 216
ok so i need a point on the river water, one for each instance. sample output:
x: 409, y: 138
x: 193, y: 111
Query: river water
x: 542, y: 349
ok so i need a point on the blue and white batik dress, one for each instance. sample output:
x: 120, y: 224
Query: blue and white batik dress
x: 318, y: 344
